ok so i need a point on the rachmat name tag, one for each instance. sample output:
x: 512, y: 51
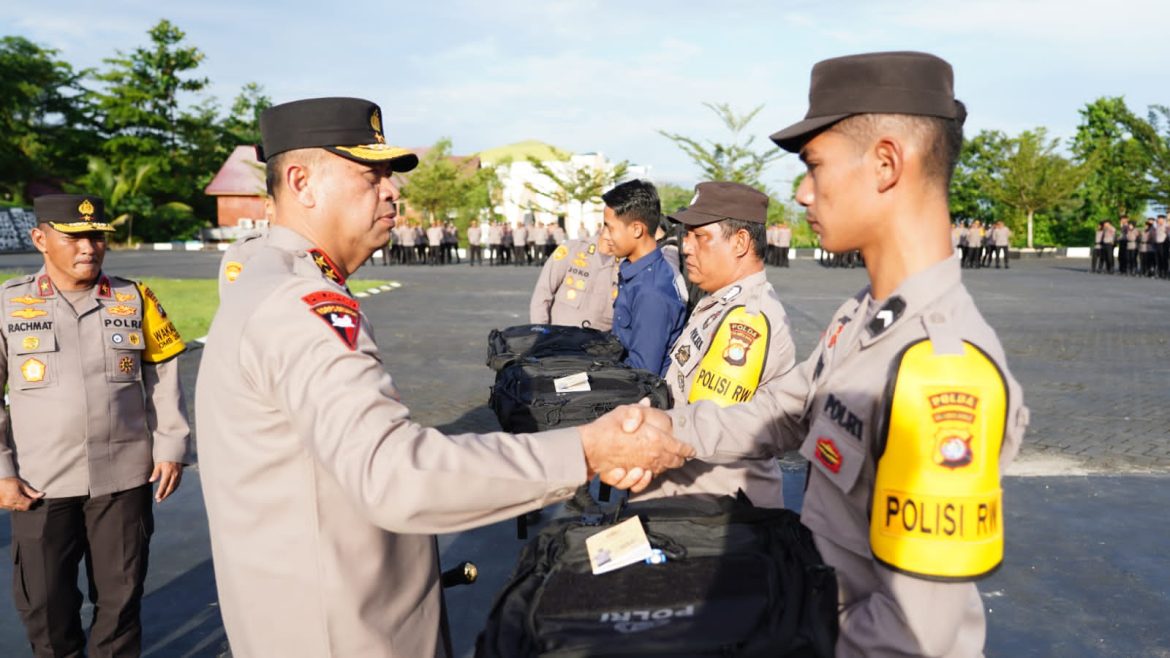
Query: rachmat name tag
x: 575, y: 383
x: 618, y: 546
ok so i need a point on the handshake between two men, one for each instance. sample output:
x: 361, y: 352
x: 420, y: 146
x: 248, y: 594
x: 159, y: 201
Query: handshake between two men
x: 630, y: 445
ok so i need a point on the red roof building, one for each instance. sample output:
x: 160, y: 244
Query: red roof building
x: 238, y: 188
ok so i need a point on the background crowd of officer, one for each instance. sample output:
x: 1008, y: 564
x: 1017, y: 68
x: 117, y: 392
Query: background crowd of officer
x: 1132, y: 248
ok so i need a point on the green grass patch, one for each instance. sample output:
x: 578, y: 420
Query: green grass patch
x: 362, y: 285
x: 189, y: 303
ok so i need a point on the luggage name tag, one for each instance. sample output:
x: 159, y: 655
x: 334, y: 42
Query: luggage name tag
x: 574, y: 383
x: 618, y: 546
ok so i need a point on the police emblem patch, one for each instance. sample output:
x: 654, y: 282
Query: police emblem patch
x: 33, y: 370
x: 742, y: 337
x: 828, y: 454
x: 121, y: 309
x: 231, y: 270
x: 683, y: 354
x: 954, y: 414
x: 135, y: 339
x: 339, y: 312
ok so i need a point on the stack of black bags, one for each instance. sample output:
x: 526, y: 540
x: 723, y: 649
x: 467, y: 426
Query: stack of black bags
x: 528, y: 359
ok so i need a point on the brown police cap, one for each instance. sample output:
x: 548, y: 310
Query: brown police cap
x: 72, y: 213
x: 349, y: 127
x: 715, y: 202
x: 874, y: 83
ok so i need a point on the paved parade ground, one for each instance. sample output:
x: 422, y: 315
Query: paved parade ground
x: 1087, y: 570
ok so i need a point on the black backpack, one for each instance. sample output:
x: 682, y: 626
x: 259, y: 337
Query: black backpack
x: 537, y: 341
x: 524, y: 397
x: 738, y: 581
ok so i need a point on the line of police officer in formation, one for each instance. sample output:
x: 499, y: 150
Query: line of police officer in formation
x: 979, y: 244
x: 321, y: 491
x: 1131, y: 248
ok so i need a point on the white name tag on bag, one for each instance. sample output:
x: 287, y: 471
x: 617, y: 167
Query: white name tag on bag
x: 575, y: 383
x: 618, y: 546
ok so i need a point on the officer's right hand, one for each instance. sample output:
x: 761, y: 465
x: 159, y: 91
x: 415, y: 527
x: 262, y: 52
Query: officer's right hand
x: 17, y: 495
x: 629, y: 444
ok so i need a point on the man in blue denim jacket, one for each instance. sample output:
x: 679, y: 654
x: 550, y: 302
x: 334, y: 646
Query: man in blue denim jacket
x: 648, y: 314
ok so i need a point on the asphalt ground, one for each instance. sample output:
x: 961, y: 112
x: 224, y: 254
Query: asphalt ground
x: 1086, y: 570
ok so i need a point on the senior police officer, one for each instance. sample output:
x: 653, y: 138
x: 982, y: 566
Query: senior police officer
x: 905, y: 409
x: 97, y: 414
x: 320, y: 490
x: 736, y: 340
x: 576, y: 287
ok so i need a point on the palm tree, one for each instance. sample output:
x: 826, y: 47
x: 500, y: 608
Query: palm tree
x: 121, y: 187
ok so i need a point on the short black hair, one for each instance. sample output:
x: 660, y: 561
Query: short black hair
x: 942, y: 139
x: 756, y: 231
x: 635, y: 201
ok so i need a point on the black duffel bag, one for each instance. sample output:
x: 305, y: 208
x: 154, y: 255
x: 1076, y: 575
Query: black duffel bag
x: 538, y: 341
x: 738, y: 581
x: 524, y: 397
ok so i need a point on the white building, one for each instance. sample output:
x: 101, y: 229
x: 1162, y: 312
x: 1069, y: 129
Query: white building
x: 516, y: 173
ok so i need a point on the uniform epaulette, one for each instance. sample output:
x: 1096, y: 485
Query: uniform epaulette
x: 19, y: 280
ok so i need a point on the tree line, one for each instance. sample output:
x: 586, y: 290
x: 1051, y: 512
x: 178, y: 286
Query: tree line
x: 141, y: 131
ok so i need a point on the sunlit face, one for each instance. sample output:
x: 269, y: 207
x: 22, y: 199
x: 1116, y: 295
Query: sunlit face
x: 358, y: 203
x: 833, y: 191
x: 710, y: 256
x: 73, y: 260
x: 621, y: 239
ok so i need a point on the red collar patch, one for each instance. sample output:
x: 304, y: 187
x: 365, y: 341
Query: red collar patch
x: 44, y: 286
x: 327, y: 266
x: 828, y: 455
x: 103, y: 288
x: 339, y: 312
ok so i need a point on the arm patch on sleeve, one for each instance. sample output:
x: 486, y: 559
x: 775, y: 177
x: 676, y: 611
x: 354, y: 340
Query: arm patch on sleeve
x: 161, y: 337
x: 734, y: 362
x: 339, y: 312
x: 937, y: 503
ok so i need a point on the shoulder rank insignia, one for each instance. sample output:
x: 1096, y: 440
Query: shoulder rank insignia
x: 44, y: 286
x: 339, y: 312
x: 888, y: 315
x: 592, y: 249
x: 731, y: 294
x: 327, y: 267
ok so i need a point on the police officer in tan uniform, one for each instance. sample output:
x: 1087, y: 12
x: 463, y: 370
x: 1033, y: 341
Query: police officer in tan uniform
x: 320, y: 490
x: 576, y: 287
x: 737, y: 338
x: 906, y: 409
x: 97, y: 414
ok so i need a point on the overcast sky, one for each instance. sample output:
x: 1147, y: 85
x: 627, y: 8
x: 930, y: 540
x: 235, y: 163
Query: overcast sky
x: 606, y: 76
